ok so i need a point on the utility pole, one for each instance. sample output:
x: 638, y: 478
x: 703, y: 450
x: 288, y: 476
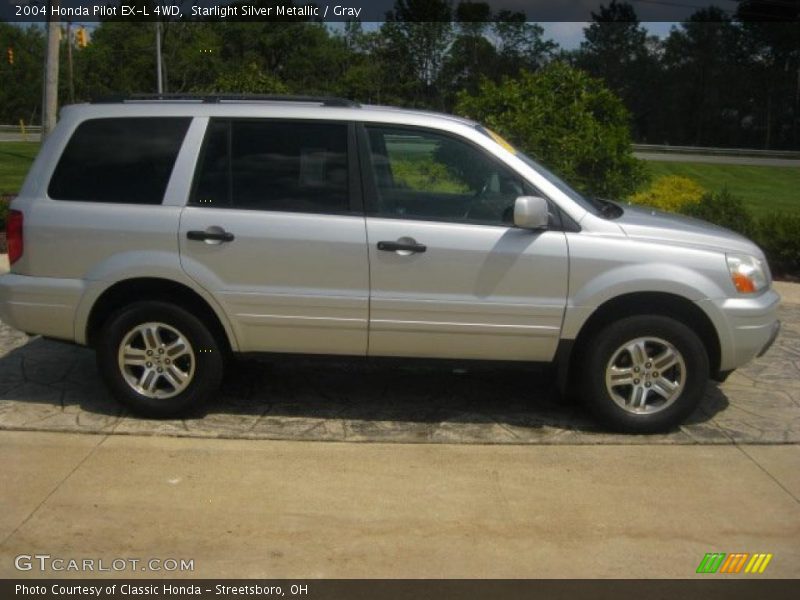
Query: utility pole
x: 158, y: 58
x: 50, y: 107
x: 69, y: 63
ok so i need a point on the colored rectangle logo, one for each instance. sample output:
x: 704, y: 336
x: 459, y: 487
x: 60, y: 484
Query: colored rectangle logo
x: 734, y: 563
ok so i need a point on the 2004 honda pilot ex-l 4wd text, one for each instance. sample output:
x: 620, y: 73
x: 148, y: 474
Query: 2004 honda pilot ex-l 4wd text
x: 169, y: 233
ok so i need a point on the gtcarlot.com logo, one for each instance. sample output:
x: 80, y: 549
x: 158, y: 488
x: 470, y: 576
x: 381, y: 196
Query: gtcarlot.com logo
x: 46, y: 562
x: 738, y: 562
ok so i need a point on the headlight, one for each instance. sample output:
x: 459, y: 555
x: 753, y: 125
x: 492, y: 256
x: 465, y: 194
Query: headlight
x: 748, y: 273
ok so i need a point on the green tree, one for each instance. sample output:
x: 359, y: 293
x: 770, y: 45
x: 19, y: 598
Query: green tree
x: 120, y: 58
x: 771, y: 32
x: 618, y: 50
x: 704, y: 92
x: 248, y: 79
x: 21, y: 87
x: 519, y: 44
x: 369, y: 74
x: 417, y: 36
x: 322, y: 64
x: 568, y: 120
x: 471, y: 56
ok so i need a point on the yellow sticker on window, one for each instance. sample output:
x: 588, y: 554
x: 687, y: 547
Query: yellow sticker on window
x: 500, y: 140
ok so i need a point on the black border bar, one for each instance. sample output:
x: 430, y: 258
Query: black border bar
x: 331, y: 11
x: 711, y: 588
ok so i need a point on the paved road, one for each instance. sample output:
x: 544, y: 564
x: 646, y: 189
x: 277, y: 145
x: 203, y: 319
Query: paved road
x: 18, y: 137
x: 720, y: 160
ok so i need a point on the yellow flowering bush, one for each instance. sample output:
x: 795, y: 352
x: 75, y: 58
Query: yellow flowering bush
x: 670, y: 193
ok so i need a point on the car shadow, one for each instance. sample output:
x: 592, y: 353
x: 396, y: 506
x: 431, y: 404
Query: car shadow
x: 389, y: 395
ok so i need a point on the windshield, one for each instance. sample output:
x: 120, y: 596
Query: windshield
x: 593, y: 205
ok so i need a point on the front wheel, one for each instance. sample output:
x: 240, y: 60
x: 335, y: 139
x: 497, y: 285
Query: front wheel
x: 158, y: 359
x: 644, y: 374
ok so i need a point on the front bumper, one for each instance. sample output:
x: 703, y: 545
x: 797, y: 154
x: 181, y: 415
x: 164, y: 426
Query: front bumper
x: 776, y: 328
x: 747, y: 326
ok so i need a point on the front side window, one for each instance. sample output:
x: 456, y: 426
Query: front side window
x: 274, y: 165
x: 126, y: 160
x: 429, y: 176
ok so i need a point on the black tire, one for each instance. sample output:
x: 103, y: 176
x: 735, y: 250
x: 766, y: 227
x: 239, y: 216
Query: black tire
x: 204, y: 354
x: 603, y: 346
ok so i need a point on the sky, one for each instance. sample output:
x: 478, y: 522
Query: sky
x: 569, y: 34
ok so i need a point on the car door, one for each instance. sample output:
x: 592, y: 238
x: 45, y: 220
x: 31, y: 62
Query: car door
x: 274, y: 230
x: 450, y: 275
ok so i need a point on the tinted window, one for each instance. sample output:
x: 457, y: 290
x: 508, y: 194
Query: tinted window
x: 425, y: 175
x: 119, y: 160
x: 274, y: 165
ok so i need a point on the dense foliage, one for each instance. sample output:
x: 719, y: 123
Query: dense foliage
x: 566, y: 119
x: 777, y: 235
x: 724, y: 209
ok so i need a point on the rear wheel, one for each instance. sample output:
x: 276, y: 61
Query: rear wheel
x: 644, y: 374
x: 159, y: 359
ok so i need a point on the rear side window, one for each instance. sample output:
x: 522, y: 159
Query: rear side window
x: 126, y: 161
x: 274, y: 165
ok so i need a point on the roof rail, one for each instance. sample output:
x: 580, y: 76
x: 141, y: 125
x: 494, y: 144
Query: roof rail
x: 212, y: 98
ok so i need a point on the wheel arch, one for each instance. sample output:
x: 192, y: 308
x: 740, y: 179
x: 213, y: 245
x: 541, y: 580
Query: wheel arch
x: 137, y: 289
x: 641, y: 303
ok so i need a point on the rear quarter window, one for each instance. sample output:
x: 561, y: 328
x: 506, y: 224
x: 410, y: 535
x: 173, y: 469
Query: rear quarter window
x: 125, y: 160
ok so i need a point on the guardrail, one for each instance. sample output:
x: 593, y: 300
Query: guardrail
x: 16, y: 129
x: 656, y: 149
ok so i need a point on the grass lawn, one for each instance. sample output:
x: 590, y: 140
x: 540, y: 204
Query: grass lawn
x: 15, y: 160
x: 763, y: 189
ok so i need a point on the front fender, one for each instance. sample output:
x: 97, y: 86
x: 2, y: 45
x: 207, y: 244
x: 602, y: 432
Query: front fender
x: 601, y: 270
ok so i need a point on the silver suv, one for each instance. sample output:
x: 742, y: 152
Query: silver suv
x: 168, y: 233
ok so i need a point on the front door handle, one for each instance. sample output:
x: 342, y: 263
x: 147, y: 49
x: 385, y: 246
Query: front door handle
x: 403, y: 246
x: 210, y: 236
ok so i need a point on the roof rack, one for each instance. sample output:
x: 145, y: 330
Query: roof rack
x: 213, y: 98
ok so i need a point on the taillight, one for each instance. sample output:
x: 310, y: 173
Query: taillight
x: 14, y: 235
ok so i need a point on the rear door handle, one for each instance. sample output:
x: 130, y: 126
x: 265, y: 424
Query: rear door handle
x: 402, y: 247
x: 210, y: 236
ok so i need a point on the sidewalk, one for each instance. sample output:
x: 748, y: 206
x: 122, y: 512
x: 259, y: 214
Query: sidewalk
x: 271, y: 509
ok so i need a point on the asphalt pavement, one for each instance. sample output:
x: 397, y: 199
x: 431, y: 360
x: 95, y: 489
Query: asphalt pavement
x: 18, y: 137
x: 719, y: 160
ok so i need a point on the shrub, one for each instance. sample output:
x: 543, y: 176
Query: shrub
x: 726, y: 210
x: 570, y: 121
x: 671, y: 193
x: 4, y: 202
x: 426, y: 175
x: 778, y: 234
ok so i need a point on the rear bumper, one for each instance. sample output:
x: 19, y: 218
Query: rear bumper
x: 40, y: 305
x: 747, y: 327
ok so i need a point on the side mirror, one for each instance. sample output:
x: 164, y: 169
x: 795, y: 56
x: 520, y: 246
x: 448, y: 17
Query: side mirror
x: 530, y: 212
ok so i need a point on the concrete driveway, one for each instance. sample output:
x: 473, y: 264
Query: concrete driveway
x: 273, y: 509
